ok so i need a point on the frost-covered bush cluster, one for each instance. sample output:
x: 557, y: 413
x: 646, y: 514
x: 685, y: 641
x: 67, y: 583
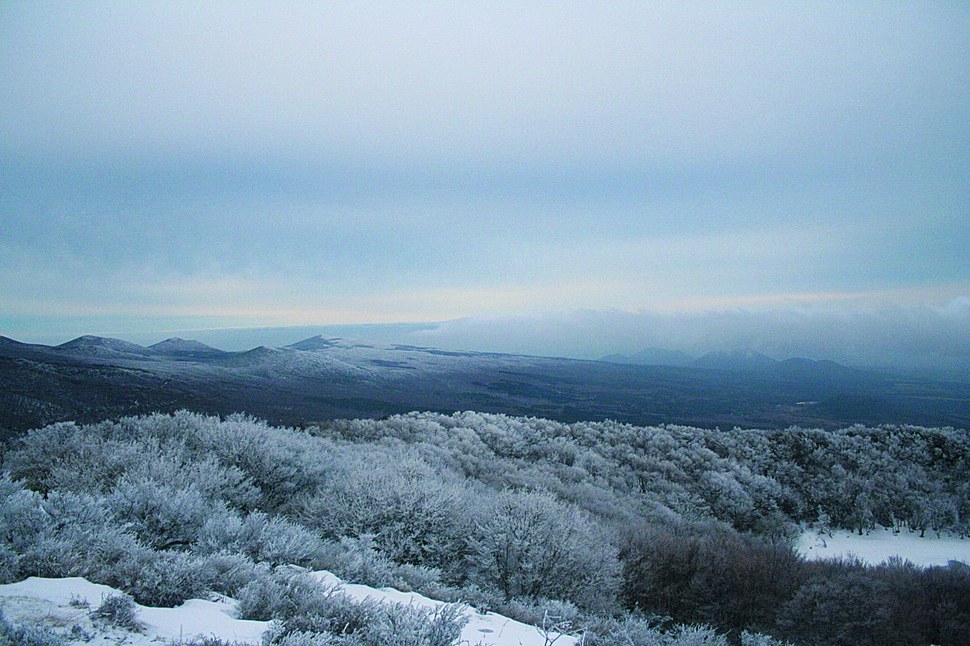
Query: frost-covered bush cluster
x: 584, y: 522
x: 306, y: 612
x: 754, y: 480
x: 119, y: 611
x: 26, y: 635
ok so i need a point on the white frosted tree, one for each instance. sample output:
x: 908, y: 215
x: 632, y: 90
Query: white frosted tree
x: 529, y: 545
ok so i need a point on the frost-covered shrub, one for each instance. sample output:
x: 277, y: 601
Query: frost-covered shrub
x: 696, y: 636
x: 243, y: 461
x: 65, y: 534
x: 11, y: 635
x: 542, y: 612
x: 415, y: 502
x: 343, y: 620
x: 227, y: 573
x: 283, y: 593
x: 33, y: 457
x: 22, y: 518
x: 336, y: 614
x: 408, y: 625
x: 530, y: 545
x: 281, y: 463
x: 305, y: 608
x: 413, y: 514
x: 757, y: 639
x: 118, y: 610
x: 160, y: 515
x: 68, y: 457
x: 9, y: 564
x: 176, y: 467
x: 98, y: 555
x: 648, y: 631
x: 77, y: 516
x: 301, y: 638
x: 427, y: 581
x: 170, y: 579
x: 276, y: 541
x: 161, y: 579
x: 261, y: 598
x: 49, y: 557
x: 302, y: 607
x: 360, y: 559
x: 8, y: 487
x: 747, y: 501
x: 627, y: 630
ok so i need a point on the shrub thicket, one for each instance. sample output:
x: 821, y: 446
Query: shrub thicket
x: 528, y: 516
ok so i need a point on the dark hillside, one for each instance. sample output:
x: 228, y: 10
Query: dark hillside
x: 320, y: 379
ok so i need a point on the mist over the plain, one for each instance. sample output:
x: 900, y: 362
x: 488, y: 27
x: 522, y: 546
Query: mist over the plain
x: 929, y: 340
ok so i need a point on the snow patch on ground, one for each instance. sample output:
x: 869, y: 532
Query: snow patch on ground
x: 485, y: 629
x: 880, y: 544
x: 65, y: 605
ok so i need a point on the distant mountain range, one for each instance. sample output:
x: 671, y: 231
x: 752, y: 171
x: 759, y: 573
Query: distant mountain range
x: 319, y: 378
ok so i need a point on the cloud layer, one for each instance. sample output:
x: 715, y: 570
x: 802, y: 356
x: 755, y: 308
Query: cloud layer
x: 175, y: 165
x: 919, y: 338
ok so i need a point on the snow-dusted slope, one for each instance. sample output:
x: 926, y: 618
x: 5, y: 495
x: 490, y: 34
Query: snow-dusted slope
x: 63, y: 604
x: 176, y: 347
x: 96, y: 346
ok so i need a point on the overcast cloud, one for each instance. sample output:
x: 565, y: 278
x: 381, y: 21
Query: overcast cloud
x: 170, y: 166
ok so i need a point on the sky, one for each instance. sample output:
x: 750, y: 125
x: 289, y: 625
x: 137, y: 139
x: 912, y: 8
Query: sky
x: 572, y: 178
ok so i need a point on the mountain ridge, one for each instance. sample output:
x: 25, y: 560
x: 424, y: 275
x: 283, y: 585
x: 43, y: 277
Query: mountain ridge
x: 99, y: 345
x: 182, y: 347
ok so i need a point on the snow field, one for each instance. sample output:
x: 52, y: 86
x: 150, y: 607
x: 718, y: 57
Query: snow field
x: 878, y: 545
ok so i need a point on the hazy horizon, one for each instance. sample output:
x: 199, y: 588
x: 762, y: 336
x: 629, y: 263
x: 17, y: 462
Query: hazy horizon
x: 571, y: 179
x: 922, y: 340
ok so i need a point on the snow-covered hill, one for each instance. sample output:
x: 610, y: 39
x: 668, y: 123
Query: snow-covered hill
x: 96, y: 346
x: 175, y: 347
